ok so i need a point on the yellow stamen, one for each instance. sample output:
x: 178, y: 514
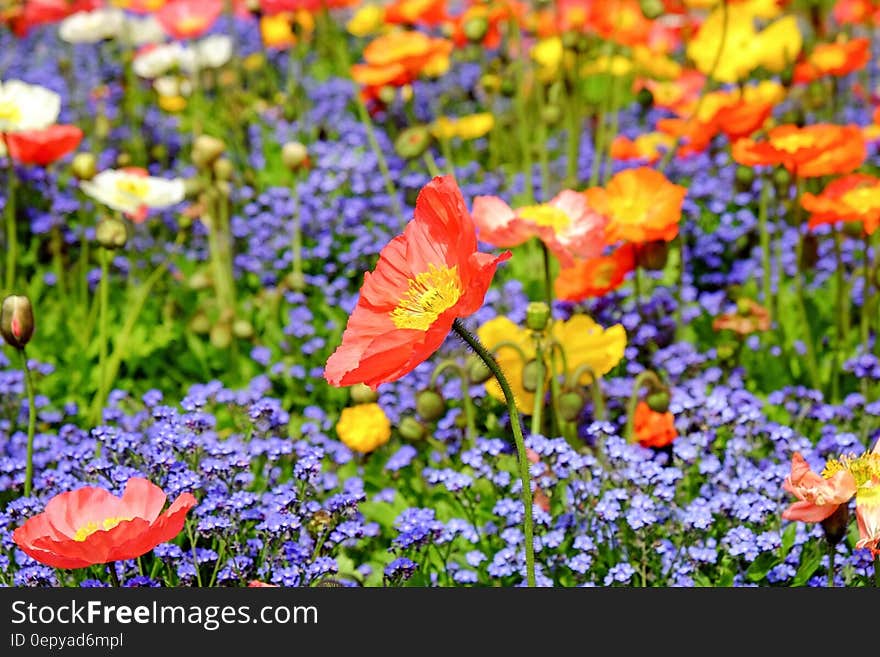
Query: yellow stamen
x: 429, y: 295
x: 136, y: 187
x: 91, y: 527
x: 10, y: 112
x: 545, y: 215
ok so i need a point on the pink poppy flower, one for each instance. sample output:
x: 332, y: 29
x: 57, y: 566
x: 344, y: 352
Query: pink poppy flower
x: 818, y: 497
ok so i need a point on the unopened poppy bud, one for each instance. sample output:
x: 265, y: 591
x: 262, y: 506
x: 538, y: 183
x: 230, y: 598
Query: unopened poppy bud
x: 550, y: 114
x: 387, y: 94
x: 645, y: 98
x: 17, y: 321
x: 221, y: 335
x: 411, y: 429
x: 490, y: 83
x: 530, y: 376
x: 296, y: 281
x: 652, y: 256
x: 658, y: 401
x: 835, y: 525
x: 475, y: 28
x: 200, y: 324
x: 745, y: 175
x: 782, y: 177
x: 478, y: 371
x: 430, y: 405
x: 363, y: 394
x: 508, y: 87
x: 192, y: 187
x: 111, y: 233
x: 571, y: 403
x: 123, y: 160
x: 413, y: 142
x: 207, y: 150
x: 294, y: 155
x: 223, y: 169
x: 84, y: 166
x: 652, y: 9
x: 159, y: 152
x: 102, y: 126
x: 200, y: 280
x: 744, y: 307
x: 569, y: 40
x: 243, y: 329
x: 725, y: 351
x: 537, y: 315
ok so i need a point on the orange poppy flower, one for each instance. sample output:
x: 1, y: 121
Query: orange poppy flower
x: 621, y: 21
x: 416, y: 12
x: 647, y: 147
x: 42, y: 147
x: 426, y: 278
x: 840, y: 58
x: 749, y: 317
x: 398, y: 58
x: 818, y: 496
x: 496, y: 14
x: 679, y: 95
x: 595, y: 277
x: 851, y: 12
x: 653, y: 429
x: 823, y: 149
x: 90, y: 525
x: 853, y: 198
x: 567, y: 224
x: 641, y: 206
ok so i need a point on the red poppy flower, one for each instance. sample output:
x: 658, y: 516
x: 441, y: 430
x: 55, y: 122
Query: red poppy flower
x: 32, y: 13
x: 595, y: 277
x: 836, y: 59
x: 425, y: 279
x: 653, y: 429
x: 822, y: 149
x: 852, y: 198
x: 186, y: 19
x: 43, y: 147
x: 90, y: 525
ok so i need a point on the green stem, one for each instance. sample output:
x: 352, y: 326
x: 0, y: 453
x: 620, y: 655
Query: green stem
x: 32, y: 423
x: 812, y: 366
x: 543, y: 153
x: 646, y: 377
x: 841, y: 323
x: 431, y: 164
x: 466, y: 401
x: 11, y: 228
x: 297, y: 230
x: 765, y: 246
x: 103, y: 308
x: 831, y: 571
x: 448, y: 159
x: 540, y: 375
x: 866, y: 292
x: 114, y: 576
x: 596, y: 393
x: 528, y: 523
x: 390, y: 188
x: 615, y: 120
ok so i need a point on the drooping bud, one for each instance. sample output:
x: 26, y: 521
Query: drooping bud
x: 111, y: 233
x: 835, y: 525
x: 387, y: 94
x: 550, y: 114
x: 223, y: 169
x: 571, y: 403
x: 413, y: 142
x: 530, y: 376
x: 658, y: 401
x: 243, y: 329
x: 200, y: 323
x: 294, y: 155
x: 221, y: 335
x: 295, y: 281
x: 478, y: 371
x: 206, y: 150
x: 652, y: 9
x: 84, y: 166
x: 123, y: 160
x: 652, y: 256
x: 537, y: 315
x: 411, y: 429
x: 363, y: 394
x: 745, y: 176
x: 475, y: 28
x: 17, y: 321
x: 430, y: 405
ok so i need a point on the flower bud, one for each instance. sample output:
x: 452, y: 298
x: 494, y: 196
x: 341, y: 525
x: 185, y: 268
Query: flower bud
x: 17, y: 321
x: 123, y: 160
x: 782, y: 177
x: 658, y: 401
x: 111, y: 233
x: 200, y: 324
x: 550, y: 114
x: 363, y: 394
x: 387, y: 94
x: 223, y: 169
x: 745, y: 176
x: 295, y: 281
x: 537, y: 315
x: 294, y: 155
x: 430, y: 405
x: 84, y: 166
x: 413, y: 142
x: 571, y: 403
x: 645, y: 98
x: 411, y: 429
x: 530, y: 376
x: 835, y: 525
x: 478, y: 371
x: 652, y: 256
x: 221, y: 335
x: 243, y: 329
x: 200, y: 280
x: 652, y: 9
x: 207, y: 150
x: 475, y: 28
x: 193, y: 187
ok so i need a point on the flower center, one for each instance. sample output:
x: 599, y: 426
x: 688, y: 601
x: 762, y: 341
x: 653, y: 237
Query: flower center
x: 863, y: 198
x: 793, y: 143
x: 430, y: 293
x: 136, y: 187
x: 828, y: 58
x: 864, y: 468
x: 10, y: 112
x: 91, y: 527
x: 545, y: 215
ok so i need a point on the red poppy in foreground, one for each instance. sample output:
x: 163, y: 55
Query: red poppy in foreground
x: 43, y: 147
x: 186, y: 19
x: 653, y: 429
x: 425, y: 279
x: 90, y: 525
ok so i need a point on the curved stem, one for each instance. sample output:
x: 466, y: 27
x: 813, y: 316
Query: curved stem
x: 646, y: 377
x: 528, y: 524
x: 114, y: 576
x: 466, y: 401
x: 32, y: 423
x: 595, y: 389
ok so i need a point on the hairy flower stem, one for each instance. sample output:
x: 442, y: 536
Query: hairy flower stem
x: 528, y: 524
x: 841, y: 323
x: 103, y: 337
x: 812, y: 364
x: 32, y: 423
x: 877, y: 571
x: 114, y: 576
x: 11, y: 232
x: 831, y: 570
x: 766, y: 273
x: 297, y: 244
x: 540, y: 375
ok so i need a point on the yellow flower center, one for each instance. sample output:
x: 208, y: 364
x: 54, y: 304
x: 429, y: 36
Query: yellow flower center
x: 863, y: 468
x: 545, y: 215
x: 91, y: 527
x: 10, y: 112
x: 828, y: 58
x: 136, y: 187
x: 792, y: 143
x: 863, y: 198
x: 430, y: 294
x: 868, y: 496
x: 628, y: 209
x: 364, y: 427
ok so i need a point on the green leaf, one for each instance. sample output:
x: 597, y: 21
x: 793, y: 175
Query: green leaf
x: 760, y: 566
x: 810, y: 560
x: 788, y: 540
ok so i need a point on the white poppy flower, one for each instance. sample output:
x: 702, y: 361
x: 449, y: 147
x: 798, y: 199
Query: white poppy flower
x: 27, y: 107
x: 158, y: 60
x: 92, y: 26
x: 172, y: 85
x: 211, y: 52
x: 139, y: 31
x: 133, y: 192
